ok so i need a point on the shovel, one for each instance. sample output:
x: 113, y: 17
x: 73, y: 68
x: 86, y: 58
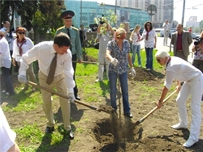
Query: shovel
x: 64, y: 96
x: 153, y: 110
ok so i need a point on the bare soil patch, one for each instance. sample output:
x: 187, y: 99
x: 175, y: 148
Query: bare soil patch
x: 105, y: 132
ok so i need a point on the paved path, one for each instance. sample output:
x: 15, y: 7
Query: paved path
x: 160, y: 46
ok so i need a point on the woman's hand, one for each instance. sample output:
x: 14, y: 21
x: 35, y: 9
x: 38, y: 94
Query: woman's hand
x: 14, y: 62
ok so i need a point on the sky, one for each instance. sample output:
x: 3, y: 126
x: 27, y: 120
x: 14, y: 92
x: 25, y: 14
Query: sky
x: 178, y: 5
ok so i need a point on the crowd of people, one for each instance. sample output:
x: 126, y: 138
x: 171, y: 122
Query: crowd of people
x: 58, y: 69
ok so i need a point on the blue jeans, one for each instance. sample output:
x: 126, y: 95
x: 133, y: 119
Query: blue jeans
x: 136, y: 50
x: 149, y: 58
x: 7, y: 80
x: 123, y: 78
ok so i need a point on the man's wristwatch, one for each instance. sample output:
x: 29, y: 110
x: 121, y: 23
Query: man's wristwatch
x: 160, y: 100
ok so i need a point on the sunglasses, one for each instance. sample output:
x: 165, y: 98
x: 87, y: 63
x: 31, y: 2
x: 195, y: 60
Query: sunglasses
x: 21, y: 32
x: 158, y: 60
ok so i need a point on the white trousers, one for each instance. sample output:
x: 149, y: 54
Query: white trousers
x: 166, y: 35
x: 194, y: 88
x: 103, y: 61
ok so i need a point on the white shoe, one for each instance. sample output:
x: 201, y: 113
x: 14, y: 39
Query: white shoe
x: 179, y: 126
x: 3, y: 91
x: 33, y: 89
x: 7, y: 93
x: 97, y: 80
x: 189, y: 143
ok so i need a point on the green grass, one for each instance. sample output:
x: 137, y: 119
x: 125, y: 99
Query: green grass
x: 31, y: 138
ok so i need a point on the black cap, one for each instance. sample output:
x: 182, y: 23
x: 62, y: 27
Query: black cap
x: 67, y: 14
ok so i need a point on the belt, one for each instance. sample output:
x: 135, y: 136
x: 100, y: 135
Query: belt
x: 193, y: 78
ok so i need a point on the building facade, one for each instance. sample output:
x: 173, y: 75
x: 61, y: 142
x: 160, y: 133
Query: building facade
x: 164, y: 9
x: 86, y: 11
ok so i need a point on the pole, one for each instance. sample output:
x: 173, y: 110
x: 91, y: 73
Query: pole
x: 80, y: 12
x: 183, y: 14
x: 115, y: 11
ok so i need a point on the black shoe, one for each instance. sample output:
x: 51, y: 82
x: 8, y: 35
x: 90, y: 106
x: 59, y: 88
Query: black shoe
x: 49, y: 130
x: 77, y: 97
x: 128, y: 115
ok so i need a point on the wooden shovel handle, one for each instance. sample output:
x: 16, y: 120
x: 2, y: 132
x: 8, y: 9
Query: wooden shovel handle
x: 155, y: 108
x: 60, y: 95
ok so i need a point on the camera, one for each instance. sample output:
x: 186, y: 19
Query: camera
x: 102, y: 19
x: 198, y: 41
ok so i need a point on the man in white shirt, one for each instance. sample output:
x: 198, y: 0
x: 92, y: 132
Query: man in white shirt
x: 182, y: 71
x: 167, y: 29
x: 63, y: 81
x: 7, y: 136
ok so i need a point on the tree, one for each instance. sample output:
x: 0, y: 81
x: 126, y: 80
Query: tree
x: 41, y: 15
x: 46, y: 19
x: 201, y: 25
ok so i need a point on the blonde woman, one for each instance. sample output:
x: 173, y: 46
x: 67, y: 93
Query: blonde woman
x: 118, y: 53
x: 135, y: 39
x: 20, y: 46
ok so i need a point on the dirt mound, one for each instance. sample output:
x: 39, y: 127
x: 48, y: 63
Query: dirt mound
x: 143, y: 74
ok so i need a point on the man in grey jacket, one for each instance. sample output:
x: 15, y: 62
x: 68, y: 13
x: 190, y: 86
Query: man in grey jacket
x: 181, y: 41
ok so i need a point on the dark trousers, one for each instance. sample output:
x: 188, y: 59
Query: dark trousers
x: 7, y: 80
x: 74, y: 58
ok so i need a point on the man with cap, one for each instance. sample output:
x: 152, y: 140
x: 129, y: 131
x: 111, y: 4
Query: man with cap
x: 75, y: 48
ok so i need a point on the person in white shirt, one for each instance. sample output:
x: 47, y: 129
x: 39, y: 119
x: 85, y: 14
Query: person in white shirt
x: 182, y: 71
x: 135, y: 39
x: 20, y: 46
x: 8, y: 33
x: 104, y: 32
x: 7, y: 136
x: 63, y: 81
x: 5, y: 64
x: 167, y: 29
x: 149, y: 36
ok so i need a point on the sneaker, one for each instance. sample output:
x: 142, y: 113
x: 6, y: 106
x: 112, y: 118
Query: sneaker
x: 129, y: 115
x: 3, y: 91
x: 7, y: 93
x: 33, y: 89
x: 179, y: 126
x: 71, y: 134
x: 189, y: 143
x: 49, y: 130
x: 97, y: 80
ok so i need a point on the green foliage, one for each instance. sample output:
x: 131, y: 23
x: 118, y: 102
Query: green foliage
x: 201, y: 25
x: 46, y: 20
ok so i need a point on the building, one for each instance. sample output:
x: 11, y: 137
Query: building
x: 164, y: 9
x: 86, y: 11
x: 192, y: 22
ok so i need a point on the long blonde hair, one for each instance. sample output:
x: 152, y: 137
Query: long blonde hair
x: 134, y: 31
x: 136, y: 28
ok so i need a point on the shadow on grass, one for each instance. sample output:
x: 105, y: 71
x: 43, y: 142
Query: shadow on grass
x: 75, y: 113
x: 12, y: 101
x: 46, y: 146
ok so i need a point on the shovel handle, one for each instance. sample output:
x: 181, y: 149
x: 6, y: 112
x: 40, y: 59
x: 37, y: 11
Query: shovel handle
x: 60, y: 95
x: 155, y: 108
